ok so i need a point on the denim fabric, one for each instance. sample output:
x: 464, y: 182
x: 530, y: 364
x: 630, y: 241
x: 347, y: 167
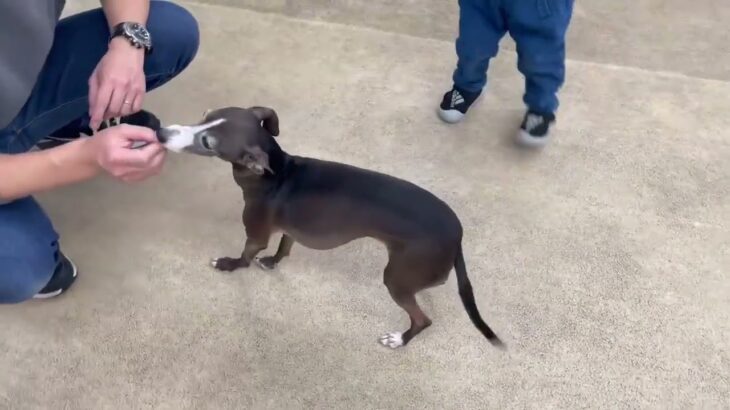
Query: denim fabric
x: 538, y: 28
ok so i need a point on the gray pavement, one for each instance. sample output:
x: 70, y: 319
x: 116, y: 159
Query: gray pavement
x: 601, y: 261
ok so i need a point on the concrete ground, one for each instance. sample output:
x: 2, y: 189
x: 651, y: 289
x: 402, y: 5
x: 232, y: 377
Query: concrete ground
x: 601, y: 261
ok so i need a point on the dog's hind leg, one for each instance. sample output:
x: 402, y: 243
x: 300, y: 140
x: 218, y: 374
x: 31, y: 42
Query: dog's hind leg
x: 419, y: 320
x: 270, y: 262
x: 399, y: 279
x: 409, y: 271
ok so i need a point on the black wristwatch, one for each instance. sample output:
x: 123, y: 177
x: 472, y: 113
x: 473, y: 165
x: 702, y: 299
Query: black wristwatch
x: 135, y: 33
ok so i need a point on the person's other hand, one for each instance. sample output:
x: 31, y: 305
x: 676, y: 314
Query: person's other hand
x: 117, y: 85
x: 111, y: 149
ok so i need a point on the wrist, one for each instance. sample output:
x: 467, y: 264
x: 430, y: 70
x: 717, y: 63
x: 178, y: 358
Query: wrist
x: 122, y: 44
x: 135, y: 35
x: 79, y: 155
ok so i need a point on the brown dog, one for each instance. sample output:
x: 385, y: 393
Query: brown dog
x: 323, y: 205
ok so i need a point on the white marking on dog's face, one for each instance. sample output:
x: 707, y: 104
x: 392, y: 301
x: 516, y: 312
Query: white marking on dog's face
x: 392, y: 340
x: 185, y: 135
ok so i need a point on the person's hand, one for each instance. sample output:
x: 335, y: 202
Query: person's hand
x: 111, y: 149
x: 117, y: 85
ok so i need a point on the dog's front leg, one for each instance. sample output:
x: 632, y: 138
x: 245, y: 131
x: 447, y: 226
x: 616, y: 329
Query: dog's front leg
x: 258, y: 232
x: 283, y: 251
x: 250, y: 250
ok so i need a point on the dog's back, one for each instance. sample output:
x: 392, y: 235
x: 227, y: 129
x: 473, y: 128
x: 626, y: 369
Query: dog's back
x: 379, y: 202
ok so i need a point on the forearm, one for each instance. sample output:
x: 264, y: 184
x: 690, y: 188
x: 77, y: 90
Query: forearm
x: 30, y: 173
x: 118, y: 11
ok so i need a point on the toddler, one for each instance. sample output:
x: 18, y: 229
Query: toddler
x: 538, y: 28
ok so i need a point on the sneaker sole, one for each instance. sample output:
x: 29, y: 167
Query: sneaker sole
x: 48, y: 295
x: 60, y: 291
x: 526, y: 140
x: 450, y: 116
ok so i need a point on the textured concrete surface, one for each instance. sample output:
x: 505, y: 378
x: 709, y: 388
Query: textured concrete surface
x: 602, y: 261
x: 663, y: 35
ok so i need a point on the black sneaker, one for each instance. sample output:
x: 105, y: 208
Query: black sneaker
x: 535, y: 129
x: 455, y: 104
x: 74, y: 131
x: 62, y: 279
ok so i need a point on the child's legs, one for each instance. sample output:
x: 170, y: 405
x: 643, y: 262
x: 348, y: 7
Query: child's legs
x: 481, y: 27
x: 538, y: 28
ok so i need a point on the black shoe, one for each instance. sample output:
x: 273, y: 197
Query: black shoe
x: 455, y: 104
x: 73, y: 131
x: 535, y: 129
x: 62, y: 279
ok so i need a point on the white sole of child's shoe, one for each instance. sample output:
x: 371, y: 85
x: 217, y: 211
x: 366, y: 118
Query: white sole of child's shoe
x: 524, y: 139
x: 59, y: 291
x: 450, y: 116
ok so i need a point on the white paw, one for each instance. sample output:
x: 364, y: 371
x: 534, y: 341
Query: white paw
x: 392, y: 340
x: 214, y: 262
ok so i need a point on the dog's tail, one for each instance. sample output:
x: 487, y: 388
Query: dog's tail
x: 467, y: 297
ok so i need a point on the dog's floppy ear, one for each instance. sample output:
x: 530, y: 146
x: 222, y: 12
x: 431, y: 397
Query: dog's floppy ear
x: 257, y: 161
x: 269, y: 117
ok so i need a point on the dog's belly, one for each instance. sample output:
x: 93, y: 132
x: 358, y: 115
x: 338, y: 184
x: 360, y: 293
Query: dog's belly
x: 320, y: 241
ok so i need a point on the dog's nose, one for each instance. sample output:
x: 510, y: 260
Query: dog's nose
x: 164, y: 134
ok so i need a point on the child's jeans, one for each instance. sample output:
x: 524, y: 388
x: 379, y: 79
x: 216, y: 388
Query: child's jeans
x: 28, y: 241
x: 538, y: 28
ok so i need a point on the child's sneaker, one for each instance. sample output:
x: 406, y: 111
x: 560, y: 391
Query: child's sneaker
x: 455, y: 104
x: 535, y: 129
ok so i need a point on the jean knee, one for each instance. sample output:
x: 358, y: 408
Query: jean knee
x: 27, y: 271
x: 174, y: 31
x: 28, y: 250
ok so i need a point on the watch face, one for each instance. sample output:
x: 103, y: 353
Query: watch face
x: 139, y: 33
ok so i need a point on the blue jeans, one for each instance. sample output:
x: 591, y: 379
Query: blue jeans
x: 538, y: 28
x: 28, y: 242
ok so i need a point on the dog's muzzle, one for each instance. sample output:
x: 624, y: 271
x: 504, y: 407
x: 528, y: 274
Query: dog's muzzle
x: 164, y: 135
x: 193, y: 139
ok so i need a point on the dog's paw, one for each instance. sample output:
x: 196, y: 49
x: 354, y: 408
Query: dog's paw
x: 226, y: 264
x: 266, y: 263
x: 392, y: 340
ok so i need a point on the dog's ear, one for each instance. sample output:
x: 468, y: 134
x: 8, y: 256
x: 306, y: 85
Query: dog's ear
x: 257, y: 161
x: 269, y: 117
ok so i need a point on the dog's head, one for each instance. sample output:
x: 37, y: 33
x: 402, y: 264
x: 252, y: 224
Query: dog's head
x: 241, y: 136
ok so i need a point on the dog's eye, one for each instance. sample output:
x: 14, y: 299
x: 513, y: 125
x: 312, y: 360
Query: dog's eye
x: 207, y: 142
